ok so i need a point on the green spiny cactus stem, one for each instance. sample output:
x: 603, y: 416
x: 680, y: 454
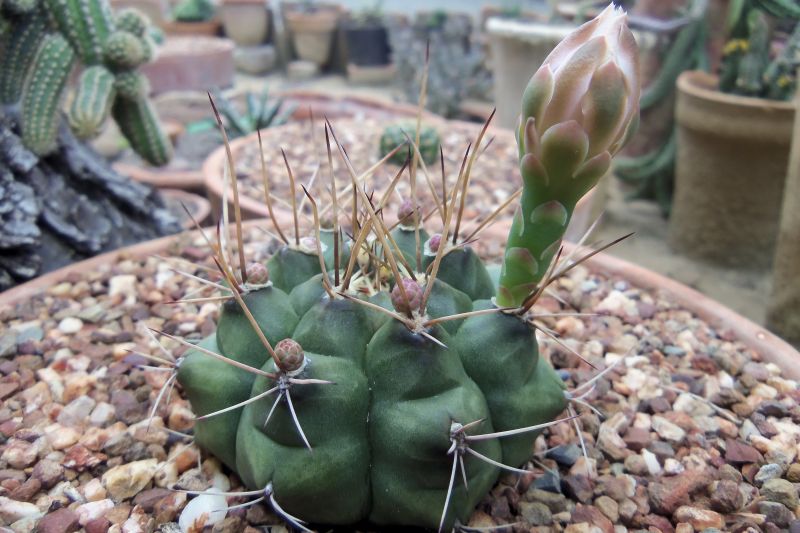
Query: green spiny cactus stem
x: 21, y: 46
x: 397, y: 134
x: 131, y: 85
x: 104, y: 53
x: 86, y: 24
x: 20, y: 7
x: 92, y: 103
x: 139, y: 124
x: 367, y: 387
x: 42, y: 95
x: 124, y: 50
x: 133, y: 21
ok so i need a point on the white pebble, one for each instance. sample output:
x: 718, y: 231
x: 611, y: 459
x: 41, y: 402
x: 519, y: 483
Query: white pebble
x: 672, y: 467
x: 70, y: 325
x: 651, y: 461
x: 205, y: 510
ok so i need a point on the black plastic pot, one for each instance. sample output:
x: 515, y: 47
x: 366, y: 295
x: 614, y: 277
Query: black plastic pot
x: 367, y: 46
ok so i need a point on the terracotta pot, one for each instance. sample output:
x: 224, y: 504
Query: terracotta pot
x: 770, y: 347
x: 208, y: 28
x: 312, y: 31
x: 246, y: 22
x: 733, y: 153
x: 185, y: 180
x: 199, y: 207
x: 191, y: 63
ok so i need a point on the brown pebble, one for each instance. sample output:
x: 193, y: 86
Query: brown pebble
x: 737, y: 452
x: 672, y: 492
x: 60, y: 521
x: 593, y: 515
x: 98, y: 525
x: 26, y: 491
x: 48, y: 473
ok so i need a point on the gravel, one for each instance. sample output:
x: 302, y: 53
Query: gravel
x: 698, y: 433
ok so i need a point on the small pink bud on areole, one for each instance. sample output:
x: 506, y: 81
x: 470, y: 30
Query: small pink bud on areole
x: 290, y: 355
x: 405, y: 213
x: 434, y: 242
x: 257, y: 274
x: 413, y: 300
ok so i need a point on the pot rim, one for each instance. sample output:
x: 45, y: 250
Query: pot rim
x: 769, y: 346
x: 163, y: 179
x: 704, y: 86
x: 202, y: 205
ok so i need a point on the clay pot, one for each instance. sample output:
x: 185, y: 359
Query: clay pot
x: 191, y: 63
x: 246, y: 22
x: 208, y: 28
x: 312, y: 30
x: 733, y: 153
x: 770, y: 347
x: 198, y: 207
x: 783, y: 311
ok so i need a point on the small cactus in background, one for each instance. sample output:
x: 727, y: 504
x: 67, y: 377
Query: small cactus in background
x: 748, y: 66
x: 44, y: 40
x: 387, y: 378
x: 397, y: 134
x: 193, y: 11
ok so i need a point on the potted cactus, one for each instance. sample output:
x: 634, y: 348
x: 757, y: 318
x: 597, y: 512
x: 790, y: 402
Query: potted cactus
x: 733, y: 140
x: 194, y: 17
x: 367, y: 38
x: 390, y: 378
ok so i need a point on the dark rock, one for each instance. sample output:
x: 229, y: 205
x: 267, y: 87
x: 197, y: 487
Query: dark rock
x: 61, y: 521
x: 637, y: 438
x: 565, y: 455
x: 147, y: 499
x: 549, y: 481
x: 773, y: 408
x: 662, y: 450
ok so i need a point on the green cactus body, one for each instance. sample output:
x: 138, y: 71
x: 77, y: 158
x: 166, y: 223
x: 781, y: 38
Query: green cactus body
x: 132, y: 20
x: 43, y: 92
x: 139, y: 124
x: 131, y: 85
x: 395, y: 135
x: 86, y: 24
x: 22, y: 43
x: 124, y: 50
x: 20, y: 7
x: 92, y: 103
x: 380, y: 432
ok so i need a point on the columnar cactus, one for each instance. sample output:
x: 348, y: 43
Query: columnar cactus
x: 43, y: 40
x: 389, y: 381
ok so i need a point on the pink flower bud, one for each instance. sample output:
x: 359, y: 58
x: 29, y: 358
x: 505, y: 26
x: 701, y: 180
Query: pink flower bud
x: 413, y: 293
x: 290, y: 355
x: 582, y: 105
x: 405, y: 213
x: 257, y: 273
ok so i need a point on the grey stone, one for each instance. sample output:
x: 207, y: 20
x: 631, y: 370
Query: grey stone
x: 767, y: 472
x: 8, y: 343
x: 565, y: 455
x: 776, y: 513
x: 780, y: 491
x: 536, y: 513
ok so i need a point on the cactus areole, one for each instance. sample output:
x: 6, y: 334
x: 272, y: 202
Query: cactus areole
x: 388, y: 380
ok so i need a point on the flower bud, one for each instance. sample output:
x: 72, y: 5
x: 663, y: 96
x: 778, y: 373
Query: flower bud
x: 405, y: 214
x: 257, y: 274
x: 290, y: 355
x: 413, y: 293
x: 582, y: 105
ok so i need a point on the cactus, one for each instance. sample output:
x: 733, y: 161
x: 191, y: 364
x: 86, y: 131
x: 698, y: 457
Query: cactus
x: 398, y: 133
x: 93, y: 98
x: 193, y: 11
x: 368, y: 384
x: 139, y: 124
x: 42, y: 98
x: 747, y: 67
x: 39, y: 45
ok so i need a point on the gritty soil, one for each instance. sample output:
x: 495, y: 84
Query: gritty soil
x: 697, y: 433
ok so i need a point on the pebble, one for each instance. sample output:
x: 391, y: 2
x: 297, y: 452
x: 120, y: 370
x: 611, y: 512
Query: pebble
x: 651, y: 462
x: 767, y: 472
x: 780, y: 491
x: 667, y: 430
x: 608, y: 507
x: 60, y: 521
x: 726, y: 496
x: 673, y: 467
x: 48, y: 472
x: 793, y: 474
x: 565, y: 455
x: 536, y: 513
x: 699, y: 519
x: 76, y: 412
x: 93, y: 510
x: 126, y: 480
x: 8, y: 343
x: 12, y: 510
x: 776, y: 513
x: 737, y: 452
x: 203, y: 511
x: 70, y: 325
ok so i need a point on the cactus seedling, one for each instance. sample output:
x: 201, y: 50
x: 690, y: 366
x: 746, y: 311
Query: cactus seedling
x: 397, y: 134
x: 42, y: 43
x: 365, y: 386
